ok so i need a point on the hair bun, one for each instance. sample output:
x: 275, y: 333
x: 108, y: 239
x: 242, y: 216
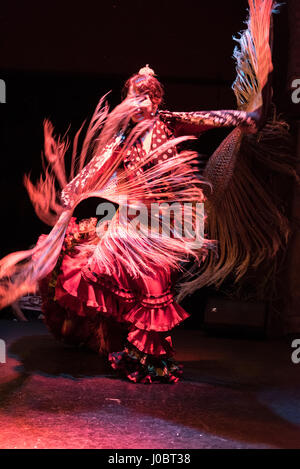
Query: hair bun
x: 146, y: 71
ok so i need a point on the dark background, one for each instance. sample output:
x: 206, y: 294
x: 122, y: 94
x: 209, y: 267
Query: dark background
x: 59, y: 58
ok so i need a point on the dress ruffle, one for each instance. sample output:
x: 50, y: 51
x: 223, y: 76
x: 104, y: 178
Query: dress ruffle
x: 110, y: 284
x: 160, y: 318
x: 74, y: 292
x: 86, y: 300
x: 139, y: 367
x: 151, y: 342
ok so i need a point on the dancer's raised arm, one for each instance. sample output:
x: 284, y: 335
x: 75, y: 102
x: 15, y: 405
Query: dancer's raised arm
x: 197, y: 122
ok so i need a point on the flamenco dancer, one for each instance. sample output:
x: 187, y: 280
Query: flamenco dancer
x: 111, y: 287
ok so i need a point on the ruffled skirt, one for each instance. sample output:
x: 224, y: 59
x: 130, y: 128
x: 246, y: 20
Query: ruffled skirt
x: 84, y: 306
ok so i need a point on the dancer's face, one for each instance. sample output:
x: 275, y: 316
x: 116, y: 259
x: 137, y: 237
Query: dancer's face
x: 145, y: 107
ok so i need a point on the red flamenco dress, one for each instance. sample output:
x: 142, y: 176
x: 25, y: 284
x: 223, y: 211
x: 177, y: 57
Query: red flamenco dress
x: 84, y: 305
x: 107, y: 313
x: 111, y: 288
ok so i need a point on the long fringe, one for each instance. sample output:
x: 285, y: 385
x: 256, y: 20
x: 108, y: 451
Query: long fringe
x: 247, y: 218
x: 141, y: 253
x: 97, y: 148
x: 20, y: 272
x: 244, y: 214
x: 253, y: 55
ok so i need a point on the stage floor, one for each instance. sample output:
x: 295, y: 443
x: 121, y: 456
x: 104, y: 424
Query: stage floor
x: 235, y: 394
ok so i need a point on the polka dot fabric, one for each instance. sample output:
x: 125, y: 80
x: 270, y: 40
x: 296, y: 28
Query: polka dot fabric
x: 160, y: 135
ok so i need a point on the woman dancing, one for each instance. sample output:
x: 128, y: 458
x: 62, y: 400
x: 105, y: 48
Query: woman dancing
x: 110, y: 285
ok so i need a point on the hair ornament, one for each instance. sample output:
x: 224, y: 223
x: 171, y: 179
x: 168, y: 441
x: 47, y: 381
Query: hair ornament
x: 146, y: 71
